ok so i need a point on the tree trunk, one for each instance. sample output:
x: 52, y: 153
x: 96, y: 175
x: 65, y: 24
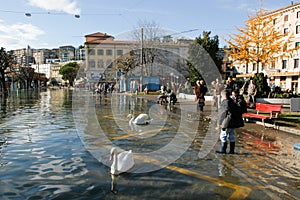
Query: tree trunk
x: 5, y: 92
x: 257, y: 67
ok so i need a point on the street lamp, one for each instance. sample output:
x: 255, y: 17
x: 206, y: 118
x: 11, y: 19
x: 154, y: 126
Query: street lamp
x: 29, y: 14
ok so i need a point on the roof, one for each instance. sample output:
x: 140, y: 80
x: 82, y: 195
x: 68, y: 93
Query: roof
x: 283, y: 8
x: 98, y: 34
x: 97, y: 38
x: 111, y: 42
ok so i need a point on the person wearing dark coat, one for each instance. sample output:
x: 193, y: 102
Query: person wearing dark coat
x: 230, y: 118
x: 239, y: 100
x: 200, y: 90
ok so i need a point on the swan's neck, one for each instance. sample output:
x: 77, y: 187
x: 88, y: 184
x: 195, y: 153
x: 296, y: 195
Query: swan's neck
x: 114, y: 166
x: 131, y: 119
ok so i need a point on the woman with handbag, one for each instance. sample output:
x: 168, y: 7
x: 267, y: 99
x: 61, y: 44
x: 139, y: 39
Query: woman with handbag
x: 230, y: 118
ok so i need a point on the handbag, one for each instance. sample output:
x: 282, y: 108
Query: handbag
x: 226, y: 121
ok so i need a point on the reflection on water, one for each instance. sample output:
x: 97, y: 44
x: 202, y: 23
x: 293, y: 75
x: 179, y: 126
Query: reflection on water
x: 42, y: 156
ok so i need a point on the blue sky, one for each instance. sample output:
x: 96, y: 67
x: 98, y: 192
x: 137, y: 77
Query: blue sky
x: 53, y: 24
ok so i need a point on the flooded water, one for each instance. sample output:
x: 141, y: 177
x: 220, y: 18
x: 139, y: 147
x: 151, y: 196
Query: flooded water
x: 56, y: 144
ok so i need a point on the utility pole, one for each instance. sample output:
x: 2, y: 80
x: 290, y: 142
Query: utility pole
x: 142, y: 62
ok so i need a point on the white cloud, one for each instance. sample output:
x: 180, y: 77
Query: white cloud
x: 19, y: 35
x: 67, y: 6
x: 243, y: 5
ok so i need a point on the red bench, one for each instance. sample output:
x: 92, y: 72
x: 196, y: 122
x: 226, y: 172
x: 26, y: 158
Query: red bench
x: 265, y: 111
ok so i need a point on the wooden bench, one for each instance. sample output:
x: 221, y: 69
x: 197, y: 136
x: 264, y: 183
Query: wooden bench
x: 265, y: 111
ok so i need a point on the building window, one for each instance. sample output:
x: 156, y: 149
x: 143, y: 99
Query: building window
x: 285, y: 31
x: 119, y: 52
x: 284, y: 64
x: 286, y: 18
x: 100, y: 64
x: 297, y: 44
x: 100, y: 52
x: 108, y: 63
x: 91, y: 64
x: 254, y: 67
x: 273, y: 65
x: 274, y: 21
x: 297, y: 29
x: 296, y: 63
x: 108, y: 52
x: 91, y: 51
x: 284, y: 47
x: 298, y: 14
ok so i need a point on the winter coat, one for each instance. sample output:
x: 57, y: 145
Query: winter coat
x: 230, y: 115
x: 240, y: 101
x: 200, y: 91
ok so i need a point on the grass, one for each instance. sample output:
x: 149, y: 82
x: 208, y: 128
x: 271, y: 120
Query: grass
x: 289, y: 119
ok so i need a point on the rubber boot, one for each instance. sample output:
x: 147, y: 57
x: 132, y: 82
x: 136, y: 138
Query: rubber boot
x: 223, y: 147
x: 232, y: 146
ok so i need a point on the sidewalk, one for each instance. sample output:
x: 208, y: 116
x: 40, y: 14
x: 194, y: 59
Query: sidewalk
x: 189, y: 100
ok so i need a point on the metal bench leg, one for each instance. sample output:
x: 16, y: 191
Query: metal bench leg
x: 275, y: 124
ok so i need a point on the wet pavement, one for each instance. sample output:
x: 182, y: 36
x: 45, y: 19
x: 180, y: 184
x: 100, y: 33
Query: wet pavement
x: 56, y: 146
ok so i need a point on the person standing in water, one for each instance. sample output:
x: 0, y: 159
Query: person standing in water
x: 200, y: 90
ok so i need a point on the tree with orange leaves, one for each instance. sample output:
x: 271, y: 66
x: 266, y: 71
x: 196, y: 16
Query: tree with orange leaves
x: 258, y: 42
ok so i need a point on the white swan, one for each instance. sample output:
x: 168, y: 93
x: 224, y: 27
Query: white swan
x: 141, y: 119
x: 122, y: 161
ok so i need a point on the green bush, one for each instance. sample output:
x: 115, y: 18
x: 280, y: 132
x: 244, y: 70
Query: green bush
x: 285, y: 95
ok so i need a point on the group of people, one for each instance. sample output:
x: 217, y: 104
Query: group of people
x: 167, y: 96
x: 104, y: 88
x: 230, y: 105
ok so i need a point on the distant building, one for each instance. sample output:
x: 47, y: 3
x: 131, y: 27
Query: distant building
x: 41, y: 55
x: 23, y: 57
x: 43, y: 69
x: 80, y: 53
x: 102, y: 50
x: 66, y: 53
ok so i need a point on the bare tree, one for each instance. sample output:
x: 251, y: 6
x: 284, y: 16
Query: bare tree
x: 149, y: 35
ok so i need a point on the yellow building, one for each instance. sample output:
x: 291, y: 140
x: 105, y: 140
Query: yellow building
x: 102, y: 51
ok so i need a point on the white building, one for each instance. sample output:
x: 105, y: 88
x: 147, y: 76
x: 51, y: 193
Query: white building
x: 285, y: 71
x: 43, y: 69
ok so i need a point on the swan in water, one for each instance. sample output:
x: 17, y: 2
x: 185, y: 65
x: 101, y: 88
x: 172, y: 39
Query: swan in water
x: 122, y: 161
x: 141, y: 119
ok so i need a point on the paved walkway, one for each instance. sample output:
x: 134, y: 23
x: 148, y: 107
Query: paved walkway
x: 208, y: 106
